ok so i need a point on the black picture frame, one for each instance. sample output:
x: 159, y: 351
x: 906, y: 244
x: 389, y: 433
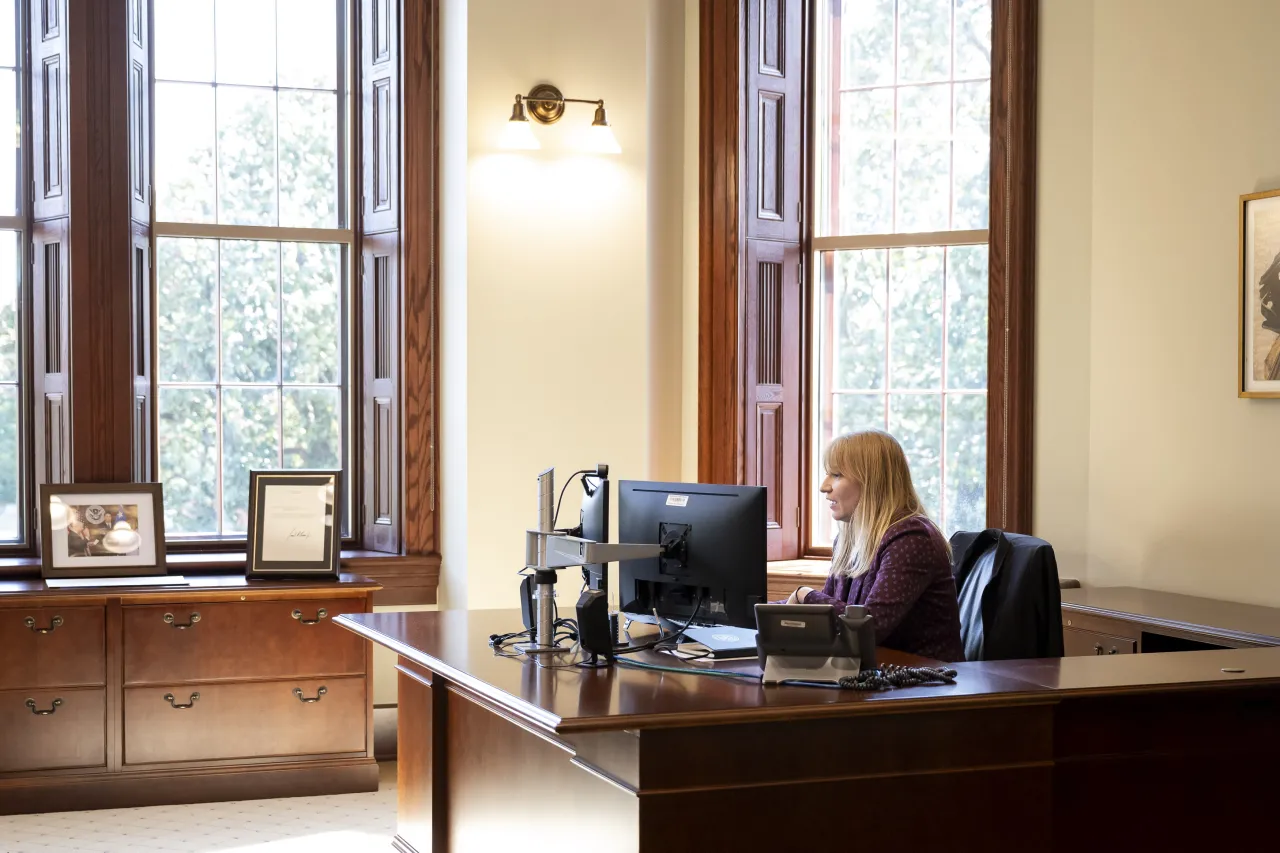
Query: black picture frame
x: 68, y: 552
x: 258, y: 566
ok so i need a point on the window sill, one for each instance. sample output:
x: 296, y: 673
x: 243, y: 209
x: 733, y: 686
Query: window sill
x: 411, y: 579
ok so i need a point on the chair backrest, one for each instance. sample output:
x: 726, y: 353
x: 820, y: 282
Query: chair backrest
x: 1010, y: 606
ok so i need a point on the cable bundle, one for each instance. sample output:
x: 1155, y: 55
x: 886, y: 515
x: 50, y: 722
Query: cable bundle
x: 892, y: 675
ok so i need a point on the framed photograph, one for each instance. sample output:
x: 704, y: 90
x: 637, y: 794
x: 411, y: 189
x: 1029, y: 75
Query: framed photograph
x: 293, y: 524
x: 90, y: 530
x: 1260, y: 295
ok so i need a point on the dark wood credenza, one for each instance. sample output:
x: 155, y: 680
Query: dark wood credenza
x: 1128, y: 620
x: 223, y: 689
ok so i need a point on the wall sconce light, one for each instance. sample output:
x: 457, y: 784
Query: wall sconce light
x: 546, y: 105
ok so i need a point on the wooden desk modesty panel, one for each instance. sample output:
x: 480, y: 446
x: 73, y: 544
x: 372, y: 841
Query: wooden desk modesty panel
x: 115, y: 697
x: 496, y: 753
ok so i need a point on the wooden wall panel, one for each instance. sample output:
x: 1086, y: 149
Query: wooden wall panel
x: 720, y: 386
x: 773, y: 297
x: 380, y: 96
x: 1012, y: 264
x: 48, y: 109
x: 101, y: 369
x: 52, y: 449
x: 420, y: 234
x: 380, y: 270
x: 775, y: 135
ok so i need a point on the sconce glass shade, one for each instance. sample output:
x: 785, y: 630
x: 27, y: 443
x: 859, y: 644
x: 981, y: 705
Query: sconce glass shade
x: 518, y: 134
x: 600, y: 138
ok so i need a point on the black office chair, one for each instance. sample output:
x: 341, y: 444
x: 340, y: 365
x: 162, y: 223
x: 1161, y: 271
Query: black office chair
x: 1010, y: 606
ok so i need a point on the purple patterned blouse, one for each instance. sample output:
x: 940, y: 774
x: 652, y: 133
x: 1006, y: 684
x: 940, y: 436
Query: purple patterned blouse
x: 909, y: 590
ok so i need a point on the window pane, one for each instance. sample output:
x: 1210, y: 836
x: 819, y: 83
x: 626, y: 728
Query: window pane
x: 310, y: 274
x: 184, y: 40
x: 10, y: 275
x: 915, y: 318
x: 973, y: 39
x: 858, y: 322
x: 967, y: 317
x: 308, y: 159
x: 305, y: 27
x: 866, y: 41
x: 10, y: 464
x: 184, y: 122
x: 189, y: 459
x: 250, y: 439
x: 250, y: 311
x: 924, y: 40
x: 246, y: 42
x: 186, y: 302
x: 966, y: 507
x: 916, y: 421
x: 312, y: 428
x: 10, y: 142
x: 865, y: 200
x: 246, y: 156
x: 856, y: 412
x: 972, y: 172
x: 924, y: 151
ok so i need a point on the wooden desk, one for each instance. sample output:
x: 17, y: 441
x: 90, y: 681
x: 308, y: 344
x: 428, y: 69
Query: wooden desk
x: 130, y: 696
x: 1125, y: 620
x: 1150, y: 752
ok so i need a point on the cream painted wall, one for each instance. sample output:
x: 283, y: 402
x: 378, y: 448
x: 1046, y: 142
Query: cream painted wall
x: 574, y: 325
x: 1159, y: 113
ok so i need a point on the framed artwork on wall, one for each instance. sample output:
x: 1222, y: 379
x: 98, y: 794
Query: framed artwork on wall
x: 293, y: 524
x: 1260, y: 294
x: 101, y: 530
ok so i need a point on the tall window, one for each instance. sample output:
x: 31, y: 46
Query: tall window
x: 13, y: 523
x: 253, y: 250
x: 902, y: 143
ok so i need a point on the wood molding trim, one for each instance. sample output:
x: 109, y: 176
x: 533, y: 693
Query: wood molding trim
x: 1011, y: 395
x: 420, y: 270
x: 720, y: 394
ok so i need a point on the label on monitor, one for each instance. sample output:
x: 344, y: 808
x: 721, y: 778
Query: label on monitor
x: 677, y: 500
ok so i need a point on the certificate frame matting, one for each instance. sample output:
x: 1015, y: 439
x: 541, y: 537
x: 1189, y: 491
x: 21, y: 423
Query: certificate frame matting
x: 293, y: 522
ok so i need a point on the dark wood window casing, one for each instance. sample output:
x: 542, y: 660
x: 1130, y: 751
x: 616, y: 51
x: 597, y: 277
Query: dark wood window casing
x: 93, y: 280
x: 754, y: 241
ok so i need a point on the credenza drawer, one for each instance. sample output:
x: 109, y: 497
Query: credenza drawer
x: 51, y: 647
x: 206, y: 722
x: 52, y: 729
x: 1078, y: 643
x: 240, y: 640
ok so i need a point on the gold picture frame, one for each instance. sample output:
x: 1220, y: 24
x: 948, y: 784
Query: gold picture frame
x: 1259, y: 294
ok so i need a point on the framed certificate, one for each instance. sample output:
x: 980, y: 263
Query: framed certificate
x: 293, y: 528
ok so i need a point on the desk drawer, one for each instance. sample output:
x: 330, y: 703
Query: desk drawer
x: 1077, y: 643
x: 51, y: 647
x: 226, y: 641
x: 74, y: 735
x: 254, y: 720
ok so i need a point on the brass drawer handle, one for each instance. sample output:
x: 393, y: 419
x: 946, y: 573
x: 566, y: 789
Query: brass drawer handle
x: 320, y: 614
x: 30, y: 622
x: 297, y: 691
x: 173, y: 702
x: 31, y: 703
x: 1097, y: 648
x: 168, y: 618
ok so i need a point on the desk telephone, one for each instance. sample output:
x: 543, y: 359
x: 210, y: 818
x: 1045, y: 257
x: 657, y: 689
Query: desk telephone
x: 809, y: 642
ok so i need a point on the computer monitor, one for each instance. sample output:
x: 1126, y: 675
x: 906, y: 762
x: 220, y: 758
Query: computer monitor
x: 714, y: 540
x: 595, y: 526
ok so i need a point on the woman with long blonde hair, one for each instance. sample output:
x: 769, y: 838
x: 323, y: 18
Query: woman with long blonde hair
x: 888, y: 556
